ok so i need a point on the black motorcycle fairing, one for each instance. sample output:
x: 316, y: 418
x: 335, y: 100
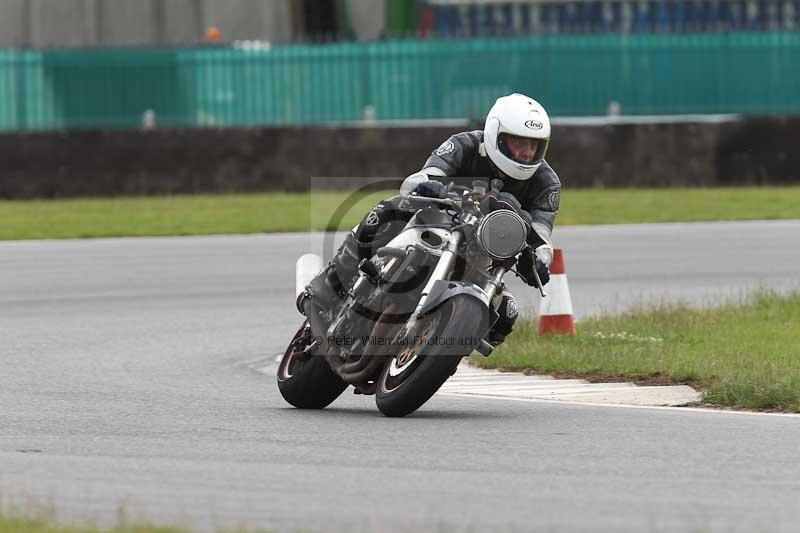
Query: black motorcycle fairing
x: 431, y: 217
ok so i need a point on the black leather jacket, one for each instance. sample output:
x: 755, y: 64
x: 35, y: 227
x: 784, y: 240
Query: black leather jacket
x: 463, y: 156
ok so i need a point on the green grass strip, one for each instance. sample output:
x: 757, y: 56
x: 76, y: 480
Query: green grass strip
x: 632, y: 206
x: 10, y: 524
x: 23, y: 525
x: 278, y: 212
x: 744, y: 355
x: 180, y: 215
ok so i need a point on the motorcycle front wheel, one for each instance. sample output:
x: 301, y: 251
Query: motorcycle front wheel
x: 306, y: 380
x: 428, y: 354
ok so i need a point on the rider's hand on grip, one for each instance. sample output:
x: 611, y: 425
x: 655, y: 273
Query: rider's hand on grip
x: 543, y: 271
x: 431, y: 189
x: 526, y: 265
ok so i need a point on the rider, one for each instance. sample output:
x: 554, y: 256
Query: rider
x: 511, y: 147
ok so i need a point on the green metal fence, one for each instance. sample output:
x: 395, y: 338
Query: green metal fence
x: 310, y: 84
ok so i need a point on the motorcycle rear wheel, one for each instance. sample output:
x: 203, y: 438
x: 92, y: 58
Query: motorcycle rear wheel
x: 410, y: 379
x: 306, y: 381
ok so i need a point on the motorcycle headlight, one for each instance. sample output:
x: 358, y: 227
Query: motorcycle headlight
x: 502, y: 234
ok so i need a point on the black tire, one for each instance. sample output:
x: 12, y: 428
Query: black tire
x: 307, y: 382
x: 399, y: 394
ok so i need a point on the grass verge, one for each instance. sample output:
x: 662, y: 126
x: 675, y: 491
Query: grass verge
x: 181, y: 215
x: 741, y: 355
x: 27, y: 525
x: 279, y: 212
x: 24, y: 525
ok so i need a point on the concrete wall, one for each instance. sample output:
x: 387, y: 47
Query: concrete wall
x: 62, y: 22
x: 76, y: 23
x: 124, y: 22
x: 184, y: 21
x: 13, y: 27
x: 109, y: 163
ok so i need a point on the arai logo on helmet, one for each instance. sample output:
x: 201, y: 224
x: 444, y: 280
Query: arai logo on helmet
x: 534, y: 125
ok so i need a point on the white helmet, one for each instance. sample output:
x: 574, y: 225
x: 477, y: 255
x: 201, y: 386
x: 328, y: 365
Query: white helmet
x: 521, y: 116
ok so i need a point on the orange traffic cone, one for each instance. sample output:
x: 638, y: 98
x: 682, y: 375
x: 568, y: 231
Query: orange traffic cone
x: 555, y: 313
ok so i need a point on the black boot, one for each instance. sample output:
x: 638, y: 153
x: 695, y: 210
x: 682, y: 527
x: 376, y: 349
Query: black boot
x: 334, y: 282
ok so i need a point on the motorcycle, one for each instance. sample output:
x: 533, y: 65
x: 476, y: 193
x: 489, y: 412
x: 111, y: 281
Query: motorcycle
x: 418, y: 306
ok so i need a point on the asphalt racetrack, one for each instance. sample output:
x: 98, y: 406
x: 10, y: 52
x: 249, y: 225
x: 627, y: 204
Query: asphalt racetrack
x: 135, y: 373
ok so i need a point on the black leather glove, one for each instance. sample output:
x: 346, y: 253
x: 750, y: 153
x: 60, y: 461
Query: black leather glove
x: 431, y: 189
x: 543, y: 271
x: 526, y: 265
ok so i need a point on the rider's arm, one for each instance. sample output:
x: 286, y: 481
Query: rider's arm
x: 445, y: 161
x: 452, y: 155
x: 543, y: 207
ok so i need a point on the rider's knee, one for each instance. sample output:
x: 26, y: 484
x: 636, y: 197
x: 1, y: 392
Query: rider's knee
x: 508, y: 312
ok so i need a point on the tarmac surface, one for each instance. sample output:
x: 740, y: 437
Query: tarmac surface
x: 131, y: 374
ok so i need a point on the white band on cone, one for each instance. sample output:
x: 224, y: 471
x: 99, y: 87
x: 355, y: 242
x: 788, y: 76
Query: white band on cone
x: 558, y: 300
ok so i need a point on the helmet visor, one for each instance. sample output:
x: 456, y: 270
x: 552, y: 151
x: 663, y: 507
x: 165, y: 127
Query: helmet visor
x: 523, y: 150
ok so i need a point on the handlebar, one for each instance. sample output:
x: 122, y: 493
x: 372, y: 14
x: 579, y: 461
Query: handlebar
x: 451, y: 202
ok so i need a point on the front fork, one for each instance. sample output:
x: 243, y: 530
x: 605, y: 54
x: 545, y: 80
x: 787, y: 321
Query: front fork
x: 441, y: 271
x: 444, y: 267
